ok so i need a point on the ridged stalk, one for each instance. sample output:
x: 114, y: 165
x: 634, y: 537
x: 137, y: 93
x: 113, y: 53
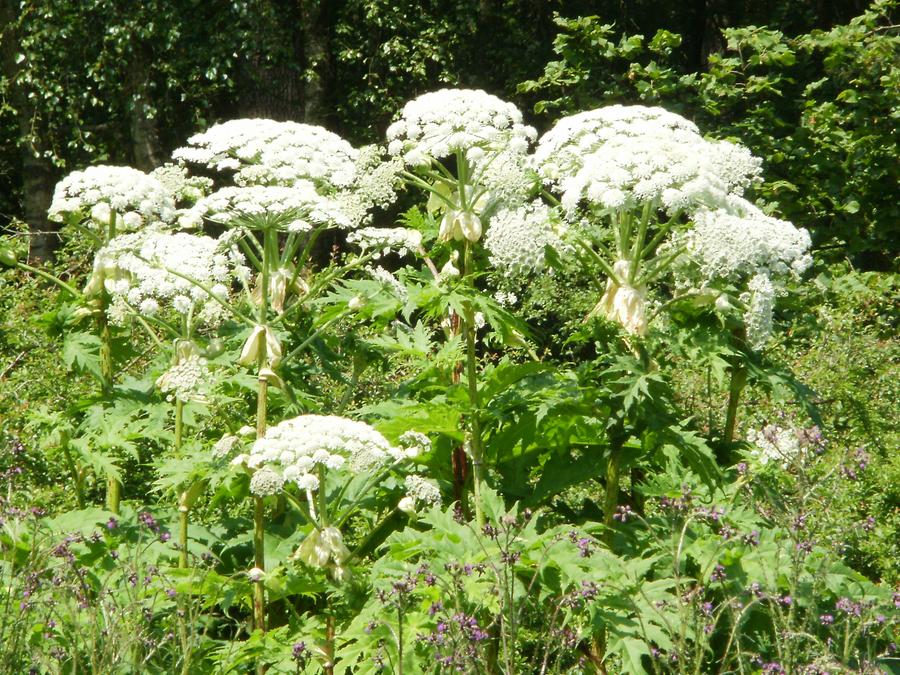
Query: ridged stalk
x: 113, y: 486
x: 183, y: 507
x: 611, y: 499
x: 735, y: 388
x: 475, y: 441
x: 259, y: 559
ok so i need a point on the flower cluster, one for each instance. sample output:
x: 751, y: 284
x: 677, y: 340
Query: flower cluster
x: 266, y: 482
x: 419, y: 491
x: 298, y: 208
x: 775, y: 444
x: 182, y: 188
x: 188, y: 380
x: 387, y: 239
x: 441, y: 123
x: 728, y: 244
x: 375, y: 186
x: 516, y: 238
x: 627, y: 172
x: 561, y: 150
x: 149, y: 270
x: 389, y: 281
x: 759, y: 316
x: 265, y: 152
x: 619, y: 157
x: 128, y: 196
x: 508, y: 177
x: 297, y: 447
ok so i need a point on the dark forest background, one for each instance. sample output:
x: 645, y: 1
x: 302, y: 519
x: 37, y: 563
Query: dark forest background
x: 809, y: 86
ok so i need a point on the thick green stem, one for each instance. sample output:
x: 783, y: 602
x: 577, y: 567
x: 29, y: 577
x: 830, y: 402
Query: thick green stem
x: 113, y: 486
x: 73, y: 469
x: 322, y: 498
x: 113, y: 494
x: 475, y: 442
x: 611, y: 500
x: 183, y: 508
x: 259, y: 562
x: 183, y: 514
x: 259, y: 559
x: 735, y: 388
x: 179, y: 423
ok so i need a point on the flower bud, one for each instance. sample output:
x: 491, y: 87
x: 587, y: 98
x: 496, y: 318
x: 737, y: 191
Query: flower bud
x: 8, y: 257
x: 261, y: 335
x: 722, y: 303
x: 214, y: 348
x: 407, y: 505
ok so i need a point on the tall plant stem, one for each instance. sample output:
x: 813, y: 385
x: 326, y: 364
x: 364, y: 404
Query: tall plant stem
x: 184, y: 508
x: 475, y: 442
x: 73, y: 469
x: 259, y: 561
x: 113, y: 486
x: 735, y: 388
x: 611, y: 499
x: 259, y: 541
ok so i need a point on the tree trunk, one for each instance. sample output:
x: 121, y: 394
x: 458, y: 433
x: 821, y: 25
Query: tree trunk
x: 38, y: 175
x: 272, y: 74
x: 142, y: 118
x: 316, y: 57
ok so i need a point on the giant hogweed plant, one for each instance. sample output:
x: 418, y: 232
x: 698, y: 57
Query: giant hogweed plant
x: 658, y: 211
x: 633, y: 194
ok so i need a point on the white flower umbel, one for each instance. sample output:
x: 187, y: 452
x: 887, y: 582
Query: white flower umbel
x: 507, y: 177
x: 760, y: 302
x: 775, y: 444
x: 188, y: 380
x: 625, y: 173
x: 138, y: 200
x: 151, y: 271
x: 419, y: 490
x: 297, y: 447
x: 266, y: 482
x: 742, y: 241
x: 560, y: 151
x: 516, y: 238
x: 624, y: 156
x: 414, y: 443
x: 300, y: 205
x: 401, y: 240
x: 471, y: 121
x: 265, y: 152
x: 735, y: 165
x: 376, y: 184
x: 181, y: 187
x: 389, y: 281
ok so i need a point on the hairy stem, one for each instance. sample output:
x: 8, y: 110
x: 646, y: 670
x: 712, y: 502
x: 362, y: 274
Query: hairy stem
x: 736, y: 386
x: 259, y: 561
x: 183, y: 509
x: 259, y: 598
x: 475, y: 442
x: 611, y: 499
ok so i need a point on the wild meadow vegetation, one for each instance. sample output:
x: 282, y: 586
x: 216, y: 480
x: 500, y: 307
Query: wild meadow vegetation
x: 618, y: 396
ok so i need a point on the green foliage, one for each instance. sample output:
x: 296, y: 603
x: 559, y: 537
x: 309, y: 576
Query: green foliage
x: 819, y: 109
